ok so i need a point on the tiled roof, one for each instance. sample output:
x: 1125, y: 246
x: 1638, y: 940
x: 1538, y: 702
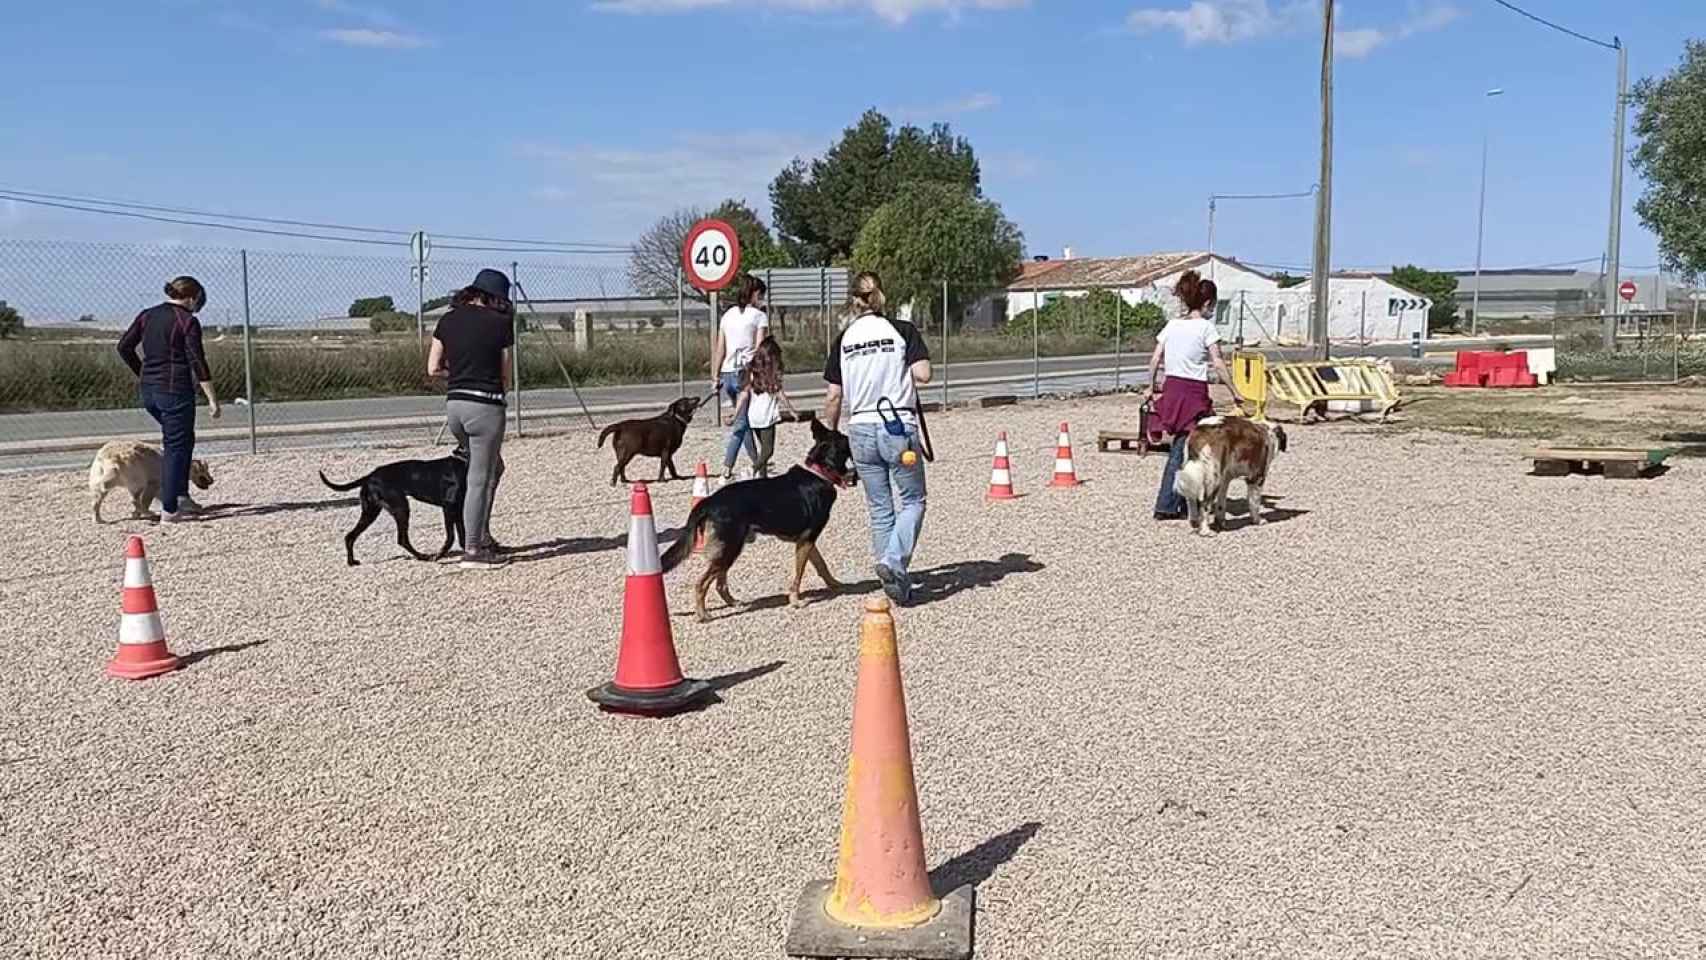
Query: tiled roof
x: 1108, y: 271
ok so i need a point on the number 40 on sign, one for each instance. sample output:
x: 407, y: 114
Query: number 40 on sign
x: 710, y: 256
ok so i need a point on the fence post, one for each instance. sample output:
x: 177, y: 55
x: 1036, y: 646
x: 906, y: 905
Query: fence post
x: 1675, y: 343
x: 1036, y: 347
x: 680, y: 338
x: 248, y: 356
x: 515, y: 354
x: 1241, y: 318
x: 1119, y: 337
x: 823, y: 308
x: 1362, y: 321
x: 946, y: 327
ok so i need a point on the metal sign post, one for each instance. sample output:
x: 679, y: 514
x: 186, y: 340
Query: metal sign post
x: 710, y: 259
x: 420, y: 247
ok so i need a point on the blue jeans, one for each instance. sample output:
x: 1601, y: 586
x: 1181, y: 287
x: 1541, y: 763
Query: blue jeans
x: 876, y: 457
x: 175, y: 412
x: 1169, y: 502
x: 739, y: 432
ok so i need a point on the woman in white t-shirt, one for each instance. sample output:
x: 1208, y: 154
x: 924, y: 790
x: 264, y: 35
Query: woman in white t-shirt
x: 1186, y: 347
x: 876, y: 365
x: 742, y: 328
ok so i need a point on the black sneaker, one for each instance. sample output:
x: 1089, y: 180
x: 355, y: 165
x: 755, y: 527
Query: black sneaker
x: 1169, y: 516
x: 895, y: 584
x: 484, y: 560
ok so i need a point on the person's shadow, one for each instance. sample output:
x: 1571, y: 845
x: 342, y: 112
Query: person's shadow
x: 569, y: 546
x: 942, y: 582
x: 1238, y: 513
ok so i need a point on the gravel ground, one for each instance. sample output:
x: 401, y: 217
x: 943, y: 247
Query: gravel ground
x: 1442, y: 709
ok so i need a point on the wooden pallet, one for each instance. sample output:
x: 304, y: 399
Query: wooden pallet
x: 1121, y: 441
x: 1616, y: 462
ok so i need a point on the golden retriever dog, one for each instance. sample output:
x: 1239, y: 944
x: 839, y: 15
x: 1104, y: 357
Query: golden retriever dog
x: 135, y: 467
x: 1221, y: 450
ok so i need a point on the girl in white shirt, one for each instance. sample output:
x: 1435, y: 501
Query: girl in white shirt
x: 762, y: 399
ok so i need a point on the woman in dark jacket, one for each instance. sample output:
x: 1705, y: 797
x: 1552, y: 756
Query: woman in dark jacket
x: 471, y: 348
x: 171, y: 367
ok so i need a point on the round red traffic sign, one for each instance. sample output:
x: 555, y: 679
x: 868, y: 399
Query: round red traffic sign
x: 1627, y: 290
x: 710, y: 256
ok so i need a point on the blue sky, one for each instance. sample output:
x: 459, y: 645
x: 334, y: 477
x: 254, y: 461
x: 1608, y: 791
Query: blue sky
x: 1101, y: 125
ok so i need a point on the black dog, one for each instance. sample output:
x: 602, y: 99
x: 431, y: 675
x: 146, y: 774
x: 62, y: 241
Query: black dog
x: 442, y: 483
x: 658, y: 436
x: 793, y: 507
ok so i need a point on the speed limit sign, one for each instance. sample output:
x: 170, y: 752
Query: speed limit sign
x: 710, y: 255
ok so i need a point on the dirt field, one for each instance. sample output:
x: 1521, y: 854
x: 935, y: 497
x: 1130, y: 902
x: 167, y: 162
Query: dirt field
x: 1441, y: 708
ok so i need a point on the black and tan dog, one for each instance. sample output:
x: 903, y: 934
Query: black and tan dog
x: 793, y: 507
x: 442, y: 483
x: 658, y: 436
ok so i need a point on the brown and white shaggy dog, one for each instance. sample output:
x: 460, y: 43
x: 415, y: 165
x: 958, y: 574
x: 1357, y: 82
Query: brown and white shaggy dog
x: 1219, y: 451
x: 135, y: 467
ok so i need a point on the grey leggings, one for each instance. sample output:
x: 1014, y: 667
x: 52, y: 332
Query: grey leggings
x: 480, y: 427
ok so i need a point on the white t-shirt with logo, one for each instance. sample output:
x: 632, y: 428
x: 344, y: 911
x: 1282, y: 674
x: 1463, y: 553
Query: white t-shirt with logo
x: 871, y: 360
x: 742, y: 330
x: 1184, y: 347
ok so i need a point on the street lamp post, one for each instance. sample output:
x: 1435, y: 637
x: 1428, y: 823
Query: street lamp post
x: 1481, y: 217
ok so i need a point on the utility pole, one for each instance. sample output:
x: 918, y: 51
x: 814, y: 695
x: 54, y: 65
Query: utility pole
x: 1481, y: 213
x: 1614, y: 244
x: 1318, y: 281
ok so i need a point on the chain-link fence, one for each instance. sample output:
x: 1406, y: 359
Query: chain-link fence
x: 1648, y: 347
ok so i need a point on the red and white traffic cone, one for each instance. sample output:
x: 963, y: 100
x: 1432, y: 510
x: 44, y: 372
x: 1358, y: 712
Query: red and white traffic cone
x: 648, y: 674
x: 142, y: 651
x: 1064, y: 474
x: 701, y: 490
x: 1001, y: 475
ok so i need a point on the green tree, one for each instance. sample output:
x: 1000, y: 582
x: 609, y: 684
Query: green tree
x: 655, y: 259
x: 822, y: 206
x: 390, y: 321
x: 1286, y: 280
x: 1441, y: 288
x: 434, y: 303
x: 1670, y: 122
x: 1100, y: 312
x: 370, y: 306
x: 933, y: 231
x: 11, y: 321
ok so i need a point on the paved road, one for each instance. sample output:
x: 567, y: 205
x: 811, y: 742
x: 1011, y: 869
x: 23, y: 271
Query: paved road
x: 63, y: 439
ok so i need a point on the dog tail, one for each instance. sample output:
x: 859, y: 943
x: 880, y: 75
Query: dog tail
x: 342, y: 486
x: 683, y: 544
x: 1198, y: 476
x: 607, y: 431
x: 101, y: 472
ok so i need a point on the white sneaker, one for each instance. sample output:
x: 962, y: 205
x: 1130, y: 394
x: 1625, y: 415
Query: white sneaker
x: 178, y: 517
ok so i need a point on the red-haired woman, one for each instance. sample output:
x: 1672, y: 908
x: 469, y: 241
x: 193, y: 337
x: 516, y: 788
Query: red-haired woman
x: 1185, y: 350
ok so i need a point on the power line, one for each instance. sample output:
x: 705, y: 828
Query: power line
x: 559, y: 246
x: 1613, y: 45
x: 1262, y: 196
x: 197, y: 223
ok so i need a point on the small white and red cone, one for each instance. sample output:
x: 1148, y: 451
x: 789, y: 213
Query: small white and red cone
x: 142, y: 651
x: 701, y: 490
x: 1064, y: 474
x: 1001, y: 474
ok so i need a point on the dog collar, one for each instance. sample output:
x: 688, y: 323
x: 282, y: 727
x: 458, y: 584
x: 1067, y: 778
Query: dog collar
x: 829, y: 476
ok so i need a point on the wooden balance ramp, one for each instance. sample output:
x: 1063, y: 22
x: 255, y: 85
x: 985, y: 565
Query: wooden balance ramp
x: 1618, y: 463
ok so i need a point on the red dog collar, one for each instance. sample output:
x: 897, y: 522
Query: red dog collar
x: 830, y: 476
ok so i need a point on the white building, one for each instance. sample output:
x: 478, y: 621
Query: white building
x: 1253, y: 308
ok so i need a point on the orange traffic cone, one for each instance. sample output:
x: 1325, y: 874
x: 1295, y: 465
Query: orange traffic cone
x: 648, y: 675
x: 142, y: 651
x: 701, y: 490
x: 1001, y: 475
x: 1064, y: 474
x: 880, y: 904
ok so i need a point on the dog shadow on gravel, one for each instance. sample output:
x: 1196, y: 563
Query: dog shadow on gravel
x: 978, y: 864
x: 196, y: 656
x: 569, y: 546
x: 232, y: 511
x: 1238, y: 513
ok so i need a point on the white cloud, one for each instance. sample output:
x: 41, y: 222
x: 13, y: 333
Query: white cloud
x: 366, y: 14
x: 973, y: 103
x: 375, y: 39
x: 893, y: 11
x: 1238, y: 21
x: 689, y: 170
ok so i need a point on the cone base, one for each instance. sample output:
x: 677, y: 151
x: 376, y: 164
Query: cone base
x: 1001, y: 495
x: 650, y: 703
x: 946, y: 936
x: 142, y: 670
x: 1065, y: 482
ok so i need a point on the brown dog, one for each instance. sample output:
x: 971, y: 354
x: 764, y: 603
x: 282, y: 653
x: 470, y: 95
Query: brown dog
x: 658, y: 436
x: 1221, y: 450
x: 135, y: 467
